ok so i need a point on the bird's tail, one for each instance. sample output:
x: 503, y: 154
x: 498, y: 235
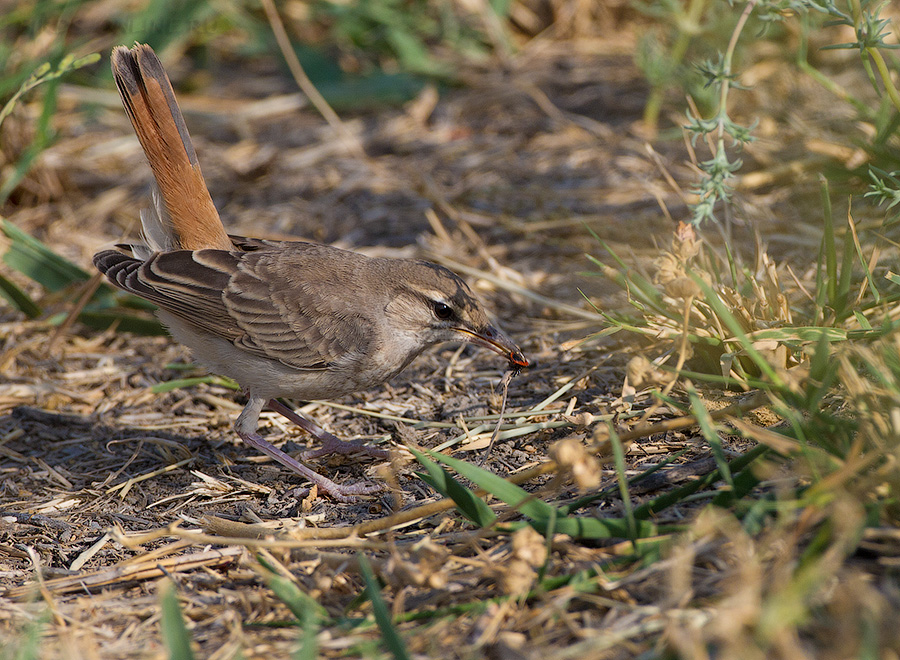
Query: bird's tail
x: 183, y: 215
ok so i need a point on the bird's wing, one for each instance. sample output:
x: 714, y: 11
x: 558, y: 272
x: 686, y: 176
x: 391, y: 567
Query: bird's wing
x: 251, y: 299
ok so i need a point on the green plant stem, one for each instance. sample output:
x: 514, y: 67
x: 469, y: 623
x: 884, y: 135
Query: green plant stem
x: 885, y: 74
x: 726, y: 68
x: 44, y: 74
x: 876, y: 56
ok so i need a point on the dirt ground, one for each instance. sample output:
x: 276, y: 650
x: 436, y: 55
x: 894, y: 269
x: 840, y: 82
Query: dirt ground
x: 503, y: 180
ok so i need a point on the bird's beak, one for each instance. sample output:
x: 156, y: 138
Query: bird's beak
x: 491, y: 338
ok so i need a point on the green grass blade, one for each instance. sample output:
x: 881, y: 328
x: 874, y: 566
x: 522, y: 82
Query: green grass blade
x: 43, y: 136
x: 412, y: 52
x: 630, y: 280
x: 18, y: 298
x: 309, y: 645
x: 519, y: 499
x: 308, y: 612
x: 176, y: 637
x: 605, y: 493
x: 548, y: 533
x: 708, y: 429
x: 43, y: 133
x: 468, y: 503
x: 828, y: 247
x: 671, y: 498
x: 162, y: 22
x: 634, y: 284
x: 799, y: 334
x: 713, y: 300
x: 373, y: 91
x: 542, y: 515
x: 823, y: 376
x: 181, y: 383
x: 732, y: 265
x: 586, y: 528
x: 139, y: 325
x: 846, y: 277
x: 619, y: 459
x: 741, y: 485
x: 32, y: 258
x: 819, y: 360
x: 876, y: 294
x: 821, y: 293
x: 389, y: 633
x: 300, y: 604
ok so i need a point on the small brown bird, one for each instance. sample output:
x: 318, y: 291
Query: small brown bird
x: 283, y: 319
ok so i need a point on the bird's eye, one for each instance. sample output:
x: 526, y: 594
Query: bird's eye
x: 442, y: 311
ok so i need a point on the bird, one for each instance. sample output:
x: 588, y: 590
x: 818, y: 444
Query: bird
x: 284, y: 319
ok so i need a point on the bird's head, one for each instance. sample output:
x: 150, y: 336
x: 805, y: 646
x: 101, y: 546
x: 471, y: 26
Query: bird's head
x: 434, y: 304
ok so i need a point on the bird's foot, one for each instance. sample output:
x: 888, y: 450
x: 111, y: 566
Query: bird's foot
x: 330, y: 443
x: 333, y: 445
x: 341, y: 493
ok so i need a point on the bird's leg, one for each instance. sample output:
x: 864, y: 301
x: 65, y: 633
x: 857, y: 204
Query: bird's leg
x: 330, y: 443
x: 246, y: 426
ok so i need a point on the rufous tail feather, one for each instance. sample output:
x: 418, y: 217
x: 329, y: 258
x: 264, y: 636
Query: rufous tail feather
x: 191, y: 221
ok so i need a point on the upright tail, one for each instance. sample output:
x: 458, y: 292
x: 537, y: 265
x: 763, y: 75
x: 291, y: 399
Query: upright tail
x: 186, y: 218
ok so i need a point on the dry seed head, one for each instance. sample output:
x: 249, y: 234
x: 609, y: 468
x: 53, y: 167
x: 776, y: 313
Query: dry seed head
x: 401, y: 573
x: 668, y: 269
x: 516, y: 577
x: 529, y: 546
x: 685, y: 245
x: 640, y: 371
x: 682, y: 288
x: 572, y: 456
x: 581, y: 421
